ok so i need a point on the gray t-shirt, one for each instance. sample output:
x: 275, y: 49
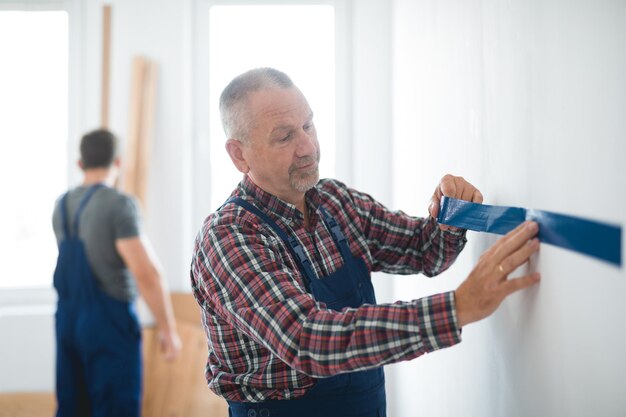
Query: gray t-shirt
x: 109, y: 215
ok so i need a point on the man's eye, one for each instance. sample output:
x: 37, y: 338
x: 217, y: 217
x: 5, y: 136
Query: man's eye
x: 307, y: 127
x: 286, y: 138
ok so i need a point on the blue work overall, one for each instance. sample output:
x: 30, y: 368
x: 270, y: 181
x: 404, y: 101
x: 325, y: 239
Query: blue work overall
x: 98, y: 370
x: 354, y: 394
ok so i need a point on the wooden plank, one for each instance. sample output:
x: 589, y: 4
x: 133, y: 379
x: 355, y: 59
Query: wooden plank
x: 186, y: 309
x: 141, y: 125
x: 106, y: 66
x: 178, y: 388
x: 130, y: 169
x: 144, y: 153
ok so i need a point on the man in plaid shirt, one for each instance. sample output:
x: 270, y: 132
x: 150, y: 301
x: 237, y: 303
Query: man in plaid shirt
x: 282, y: 270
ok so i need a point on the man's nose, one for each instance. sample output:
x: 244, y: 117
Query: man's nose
x: 307, y: 144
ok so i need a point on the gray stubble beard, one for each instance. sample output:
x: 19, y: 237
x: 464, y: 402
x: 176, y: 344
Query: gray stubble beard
x: 306, y: 180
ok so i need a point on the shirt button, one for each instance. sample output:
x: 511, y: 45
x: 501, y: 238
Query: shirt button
x: 251, y: 413
x: 265, y: 412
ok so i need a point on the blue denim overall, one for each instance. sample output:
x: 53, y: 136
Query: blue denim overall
x: 354, y: 394
x: 98, y: 369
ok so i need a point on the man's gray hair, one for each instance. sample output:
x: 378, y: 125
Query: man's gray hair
x: 232, y: 100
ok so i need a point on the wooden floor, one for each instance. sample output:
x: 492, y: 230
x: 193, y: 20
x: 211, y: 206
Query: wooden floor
x: 27, y: 405
x: 44, y: 405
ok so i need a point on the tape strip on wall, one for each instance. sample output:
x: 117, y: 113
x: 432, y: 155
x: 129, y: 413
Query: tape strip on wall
x: 597, y: 239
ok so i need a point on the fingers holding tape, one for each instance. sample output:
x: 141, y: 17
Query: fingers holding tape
x: 477, y: 197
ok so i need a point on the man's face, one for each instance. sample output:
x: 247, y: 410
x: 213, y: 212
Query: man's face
x: 281, y: 151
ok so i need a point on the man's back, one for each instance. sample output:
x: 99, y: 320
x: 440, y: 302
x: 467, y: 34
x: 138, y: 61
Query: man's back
x: 108, y: 216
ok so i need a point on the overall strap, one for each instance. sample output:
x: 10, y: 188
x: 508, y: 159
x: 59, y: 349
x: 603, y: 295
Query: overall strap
x: 292, y: 242
x: 82, y: 203
x: 338, y: 236
x: 64, y: 216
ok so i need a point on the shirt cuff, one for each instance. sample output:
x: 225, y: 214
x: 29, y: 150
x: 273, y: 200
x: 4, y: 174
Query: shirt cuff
x: 453, y: 232
x: 438, y: 322
x: 456, y: 232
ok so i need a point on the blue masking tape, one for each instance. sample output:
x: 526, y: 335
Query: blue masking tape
x: 600, y: 240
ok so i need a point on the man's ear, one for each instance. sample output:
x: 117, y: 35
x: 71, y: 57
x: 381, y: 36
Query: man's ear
x: 117, y: 162
x: 235, y: 150
x: 80, y: 164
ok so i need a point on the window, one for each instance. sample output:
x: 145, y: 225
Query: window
x: 296, y: 39
x: 34, y: 48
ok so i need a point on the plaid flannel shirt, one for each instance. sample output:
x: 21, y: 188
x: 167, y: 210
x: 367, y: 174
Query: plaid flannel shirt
x: 268, y: 338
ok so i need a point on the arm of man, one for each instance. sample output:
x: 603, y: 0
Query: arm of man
x: 139, y: 259
x: 408, y: 245
x: 394, y: 241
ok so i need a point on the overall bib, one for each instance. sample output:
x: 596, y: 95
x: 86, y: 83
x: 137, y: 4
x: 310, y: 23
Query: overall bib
x: 354, y: 394
x: 98, y: 358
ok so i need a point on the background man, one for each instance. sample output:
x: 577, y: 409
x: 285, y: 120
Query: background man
x: 282, y: 270
x: 101, y: 250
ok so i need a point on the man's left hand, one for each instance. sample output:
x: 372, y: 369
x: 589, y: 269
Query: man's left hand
x: 455, y: 187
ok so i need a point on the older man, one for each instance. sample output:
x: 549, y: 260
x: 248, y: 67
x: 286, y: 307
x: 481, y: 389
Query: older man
x: 282, y: 270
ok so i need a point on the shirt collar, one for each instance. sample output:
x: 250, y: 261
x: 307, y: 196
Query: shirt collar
x: 274, y: 204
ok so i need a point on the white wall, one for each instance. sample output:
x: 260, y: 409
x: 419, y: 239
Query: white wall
x: 27, y: 335
x: 526, y: 99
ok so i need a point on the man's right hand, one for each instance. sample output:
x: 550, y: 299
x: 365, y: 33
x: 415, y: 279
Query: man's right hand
x: 488, y: 284
x: 170, y: 344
